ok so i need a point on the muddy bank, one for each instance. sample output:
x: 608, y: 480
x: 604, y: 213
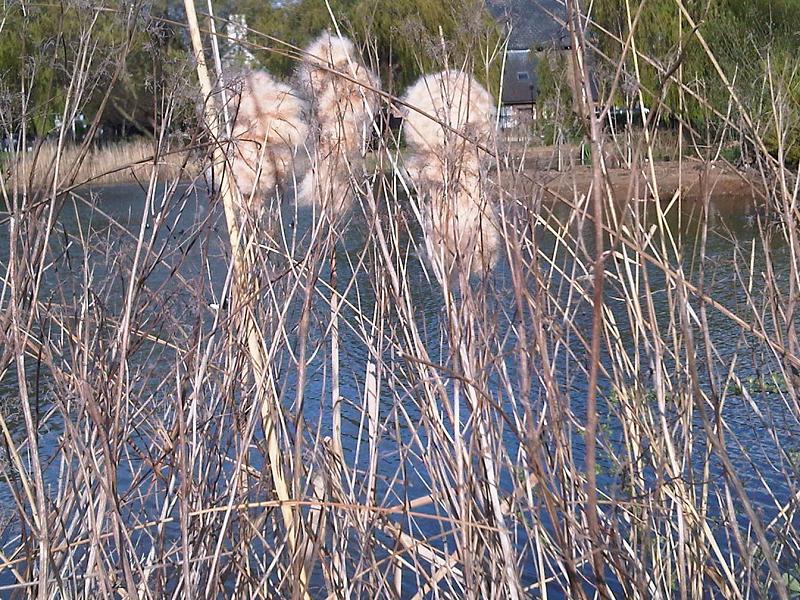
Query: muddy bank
x: 692, y: 181
x: 562, y: 171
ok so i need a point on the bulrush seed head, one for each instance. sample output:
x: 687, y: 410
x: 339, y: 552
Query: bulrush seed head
x: 341, y: 92
x: 447, y: 168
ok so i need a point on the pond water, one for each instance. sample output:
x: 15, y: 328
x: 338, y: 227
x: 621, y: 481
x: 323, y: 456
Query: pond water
x: 193, y: 247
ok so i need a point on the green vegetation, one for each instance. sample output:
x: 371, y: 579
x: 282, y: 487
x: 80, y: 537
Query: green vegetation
x: 405, y: 38
x: 39, y: 50
x: 754, y: 41
x: 555, y: 103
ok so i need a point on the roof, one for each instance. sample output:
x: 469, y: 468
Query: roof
x: 534, y: 23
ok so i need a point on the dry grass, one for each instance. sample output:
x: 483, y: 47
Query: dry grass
x: 119, y: 162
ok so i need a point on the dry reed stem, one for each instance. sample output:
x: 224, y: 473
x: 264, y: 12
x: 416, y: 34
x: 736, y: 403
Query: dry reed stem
x: 261, y: 371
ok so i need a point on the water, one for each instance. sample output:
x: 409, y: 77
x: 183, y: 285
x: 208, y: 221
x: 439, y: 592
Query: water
x: 187, y: 266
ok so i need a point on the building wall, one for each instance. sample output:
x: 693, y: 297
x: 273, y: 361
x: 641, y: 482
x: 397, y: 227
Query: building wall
x: 521, y: 85
x: 520, y: 78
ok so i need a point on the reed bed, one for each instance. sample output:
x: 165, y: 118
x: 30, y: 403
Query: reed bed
x: 274, y: 403
x: 127, y: 161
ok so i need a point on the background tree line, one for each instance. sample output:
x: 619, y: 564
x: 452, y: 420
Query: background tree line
x: 756, y: 43
x: 38, y: 49
x: 403, y: 38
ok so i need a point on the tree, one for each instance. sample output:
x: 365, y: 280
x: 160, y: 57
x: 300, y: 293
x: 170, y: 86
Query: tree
x: 39, y: 50
x: 403, y: 38
x: 40, y: 53
x: 750, y: 39
x: 420, y: 36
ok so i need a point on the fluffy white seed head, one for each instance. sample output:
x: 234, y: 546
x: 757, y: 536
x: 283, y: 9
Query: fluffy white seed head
x: 458, y: 219
x: 344, y: 104
x: 456, y: 100
x: 329, y: 52
x: 269, y: 126
x: 328, y: 55
x: 446, y: 166
x: 340, y: 88
x: 428, y: 170
x: 328, y: 186
x: 345, y: 111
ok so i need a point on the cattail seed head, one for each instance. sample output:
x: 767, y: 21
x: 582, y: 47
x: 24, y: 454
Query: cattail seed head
x: 343, y: 99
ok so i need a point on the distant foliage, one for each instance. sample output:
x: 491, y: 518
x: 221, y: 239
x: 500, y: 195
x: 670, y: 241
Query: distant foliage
x: 751, y: 39
x: 413, y: 37
x: 404, y: 38
x: 555, y: 103
x: 401, y: 39
x: 134, y: 61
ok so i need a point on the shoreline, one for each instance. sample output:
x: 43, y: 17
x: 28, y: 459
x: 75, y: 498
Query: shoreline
x: 728, y: 190
x: 128, y: 161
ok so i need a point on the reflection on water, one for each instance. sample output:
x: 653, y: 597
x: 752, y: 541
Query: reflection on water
x: 186, y: 265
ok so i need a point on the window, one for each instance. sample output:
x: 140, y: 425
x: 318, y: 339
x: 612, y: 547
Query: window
x: 522, y: 76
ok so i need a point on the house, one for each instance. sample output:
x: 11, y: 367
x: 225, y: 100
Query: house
x: 520, y: 78
x: 533, y: 27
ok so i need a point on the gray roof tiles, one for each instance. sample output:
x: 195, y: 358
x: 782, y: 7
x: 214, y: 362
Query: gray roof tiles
x: 535, y: 23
